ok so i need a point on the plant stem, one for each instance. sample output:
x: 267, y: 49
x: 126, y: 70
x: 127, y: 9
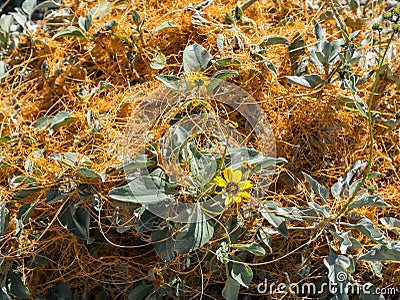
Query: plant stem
x: 370, y: 129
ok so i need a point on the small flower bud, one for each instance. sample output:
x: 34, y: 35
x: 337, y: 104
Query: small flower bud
x: 396, y: 28
x: 388, y: 15
x: 376, y: 26
x: 396, y: 11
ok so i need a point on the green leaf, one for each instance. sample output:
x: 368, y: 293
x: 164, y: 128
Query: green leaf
x: 270, y: 67
x: 169, y: 81
x: 70, y: 159
x: 163, y: 243
x: 138, y: 163
x: 368, y: 200
x: 195, y: 234
x: 158, y: 62
x: 99, y: 11
x: 4, y: 217
x: 109, y: 25
x: 87, y: 173
x: 242, y: 273
x: 323, y: 210
x: 238, y: 13
x: 166, y: 25
x: 254, y: 248
x: 147, y: 189
x: 274, y: 40
x: 226, y: 62
x: 102, y: 86
x: 338, y: 266
x: 139, y: 292
x: 76, y: 220
x: 220, y: 42
x: 308, y: 81
x: 61, y: 119
x: 195, y: 58
x: 60, y: 291
x: 85, y: 23
x: 321, y: 191
x: 28, y: 6
x: 16, y: 286
x: 366, y: 227
x: 43, y: 123
x: 3, y: 70
x: 266, y: 238
x: 137, y: 19
x: 70, y: 31
x: 392, y: 224
x: 268, y: 212
x: 48, y: 4
x: 319, y: 32
x: 224, y: 74
x: 389, y: 252
x: 231, y: 289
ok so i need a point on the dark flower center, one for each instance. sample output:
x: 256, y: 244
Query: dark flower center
x: 232, y: 188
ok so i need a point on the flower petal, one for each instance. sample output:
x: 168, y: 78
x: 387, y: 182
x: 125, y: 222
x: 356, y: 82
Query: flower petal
x: 236, y: 176
x: 237, y: 199
x: 245, y: 195
x: 228, y: 200
x: 228, y: 173
x: 244, y: 185
x: 220, y: 181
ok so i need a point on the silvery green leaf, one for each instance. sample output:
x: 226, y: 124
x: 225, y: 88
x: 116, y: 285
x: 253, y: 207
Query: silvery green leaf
x: 231, y: 289
x: 220, y: 42
x: 323, y: 210
x: 389, y: 252
x: 109, y: 25
x: 70, y: 31
x: 4, y: 217
x: 146, y: 189
x: 48, y: 4
x: 368, y: 200
x: 169, y: 81
x: 341, y: 187
x: 102, y: 86
x: 195, y: 58
x: 28, y: 6
x: 308, y: 81
x: 366, y: 227
x: 318, y: 189
x: 61, y: 119
x: 319, y: 32
x: 16, y: 286
x: 268, y: 211
x: 391, y: 223
x: 99, y: 11
x: 242, y: 273
x: 3, y: 70
x: 20, y: 18
x: 270, y: 67
x: 253, y: 248
x: 166, y: 25
x: 195, y: 234
x: 85, y: 23
x: 224, y: 74
x: 163, y: 243
x: 87, y: 173
x: 158, y: 62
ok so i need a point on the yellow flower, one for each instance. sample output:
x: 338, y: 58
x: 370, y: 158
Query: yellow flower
x: 197, y: 79
x: 233, y: 186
